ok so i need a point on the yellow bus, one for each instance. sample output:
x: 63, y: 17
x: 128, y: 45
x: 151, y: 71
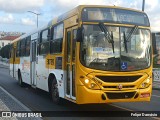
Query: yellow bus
x: 91, y: 54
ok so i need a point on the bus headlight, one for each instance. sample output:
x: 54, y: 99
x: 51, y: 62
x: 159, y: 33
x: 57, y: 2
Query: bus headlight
x: 90, y: 84
x: 86, y: 81
x: 145, y: 83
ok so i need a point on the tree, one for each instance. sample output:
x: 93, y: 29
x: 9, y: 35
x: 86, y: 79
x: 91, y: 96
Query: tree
x: 4, y: 51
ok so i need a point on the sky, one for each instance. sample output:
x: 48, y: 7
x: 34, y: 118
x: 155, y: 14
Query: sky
x: 14, y: 15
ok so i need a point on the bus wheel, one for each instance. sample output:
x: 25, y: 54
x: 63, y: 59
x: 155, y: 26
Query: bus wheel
x: 20, y: 82
x: 54, y: 93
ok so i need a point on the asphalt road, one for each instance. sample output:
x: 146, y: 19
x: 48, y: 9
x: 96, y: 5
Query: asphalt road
x: 38, y: 100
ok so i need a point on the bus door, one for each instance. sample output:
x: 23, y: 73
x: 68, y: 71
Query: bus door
x: 33, y: 62
x: 70, y: 63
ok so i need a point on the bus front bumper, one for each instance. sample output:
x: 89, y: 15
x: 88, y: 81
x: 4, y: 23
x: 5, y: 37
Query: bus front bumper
x: 86, y: 96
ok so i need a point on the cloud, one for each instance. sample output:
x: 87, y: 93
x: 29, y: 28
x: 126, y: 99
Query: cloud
x: 154, y: 21
x: 72, y: 3
x: 65, y: 5
x: 7, y: 19
x: 51, y: 8
x: 20, y: 5
x: 27, y: 21
x: 151, y: 7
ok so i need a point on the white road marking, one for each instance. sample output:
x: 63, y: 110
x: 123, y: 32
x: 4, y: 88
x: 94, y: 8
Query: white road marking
x: 121, y: 108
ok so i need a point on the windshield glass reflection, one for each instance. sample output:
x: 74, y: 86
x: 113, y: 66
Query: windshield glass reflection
x: 97, y: 52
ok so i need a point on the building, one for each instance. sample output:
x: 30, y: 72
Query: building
x: 7, y: 37
x: 3, y: 34
x: 6, y: 40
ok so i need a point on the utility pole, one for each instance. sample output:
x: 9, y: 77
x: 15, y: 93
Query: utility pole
x: 35, y: 14
x: 143, y: 5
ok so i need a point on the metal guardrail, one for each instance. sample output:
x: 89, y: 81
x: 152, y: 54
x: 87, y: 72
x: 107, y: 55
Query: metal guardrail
x: 156, y: 78
x: 156, y: 74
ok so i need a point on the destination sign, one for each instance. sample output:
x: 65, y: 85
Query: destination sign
x: 115, y: 16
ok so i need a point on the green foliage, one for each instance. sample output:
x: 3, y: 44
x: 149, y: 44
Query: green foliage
x: 155, y: 60
x: 4, y: 51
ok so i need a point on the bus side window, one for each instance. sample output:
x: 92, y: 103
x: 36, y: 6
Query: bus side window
x: 28, y: 39
x: 44, y: 42
x: 56, y: 39
x: 23, y: 46
x: 74, y: 44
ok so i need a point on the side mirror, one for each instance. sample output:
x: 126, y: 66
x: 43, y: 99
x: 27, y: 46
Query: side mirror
x: 79, y: 36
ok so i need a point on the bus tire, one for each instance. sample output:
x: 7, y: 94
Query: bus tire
x: 54, y: 92
x: 20, y: 82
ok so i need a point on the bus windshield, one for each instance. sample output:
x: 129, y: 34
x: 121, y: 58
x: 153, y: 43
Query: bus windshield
x: 96, y: 50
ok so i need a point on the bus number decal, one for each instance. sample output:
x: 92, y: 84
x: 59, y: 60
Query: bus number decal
x: 50, y: 61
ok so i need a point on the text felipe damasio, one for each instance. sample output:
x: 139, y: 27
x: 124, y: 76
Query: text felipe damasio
x: 144, y: 115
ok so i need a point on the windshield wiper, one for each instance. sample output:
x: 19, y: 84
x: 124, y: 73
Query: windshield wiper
x: 112, y: 41
x: 125, y: 42
x: 134, y: 29
x: 126, y: 39
x: 107, y: 34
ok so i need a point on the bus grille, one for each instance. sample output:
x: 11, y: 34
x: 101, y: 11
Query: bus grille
x: 127, y: 86
x: 118, y: 79
x: 124, y: 95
